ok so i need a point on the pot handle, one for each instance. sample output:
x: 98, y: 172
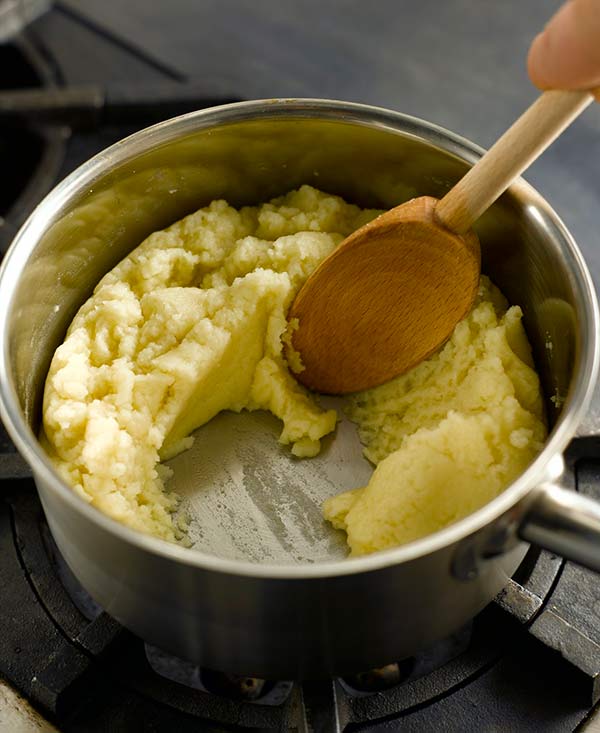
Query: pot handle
x: 564, y: 522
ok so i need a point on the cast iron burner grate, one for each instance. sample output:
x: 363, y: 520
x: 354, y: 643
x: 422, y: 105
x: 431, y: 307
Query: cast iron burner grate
x: 20, y: 147
x: 30, y: 155
x: 528, y: 662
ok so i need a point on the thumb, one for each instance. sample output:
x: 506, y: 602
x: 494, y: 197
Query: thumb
x: 566, y: 55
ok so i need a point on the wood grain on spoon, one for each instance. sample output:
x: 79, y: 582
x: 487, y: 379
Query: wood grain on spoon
x: 393, y: 291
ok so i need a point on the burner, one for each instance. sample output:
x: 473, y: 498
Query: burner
x: 529, y: 661
x: 235, y: 687
x: 381, y: 678
x: 230, y: 687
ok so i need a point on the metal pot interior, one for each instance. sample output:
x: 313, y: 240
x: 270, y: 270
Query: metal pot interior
x: 248, y: 155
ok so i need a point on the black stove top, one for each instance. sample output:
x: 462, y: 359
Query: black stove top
x: 528, y: 662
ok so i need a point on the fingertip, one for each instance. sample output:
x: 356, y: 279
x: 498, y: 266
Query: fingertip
x: 566, y: 55
x: 536, y: 66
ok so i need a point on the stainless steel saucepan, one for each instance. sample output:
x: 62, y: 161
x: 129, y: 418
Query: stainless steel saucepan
x: 266, y: 590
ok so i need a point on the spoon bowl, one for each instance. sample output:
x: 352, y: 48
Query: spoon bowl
x: 399, y: 285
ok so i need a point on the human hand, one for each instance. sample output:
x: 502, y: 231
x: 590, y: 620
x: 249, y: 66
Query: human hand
x: 566, y: 55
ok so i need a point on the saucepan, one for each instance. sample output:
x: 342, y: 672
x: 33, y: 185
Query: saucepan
x: 282, y: 601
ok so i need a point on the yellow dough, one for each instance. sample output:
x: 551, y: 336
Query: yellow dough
x: 189, y: 324
x: 449, y: 435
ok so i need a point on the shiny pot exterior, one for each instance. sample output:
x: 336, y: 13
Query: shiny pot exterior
x: 301, y: 620
x: 274, y: 628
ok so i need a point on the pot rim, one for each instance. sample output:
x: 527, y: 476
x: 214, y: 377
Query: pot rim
x: 346, y: 112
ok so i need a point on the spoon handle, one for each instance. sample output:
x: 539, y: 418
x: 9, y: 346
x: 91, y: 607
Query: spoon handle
x: 520, y: 145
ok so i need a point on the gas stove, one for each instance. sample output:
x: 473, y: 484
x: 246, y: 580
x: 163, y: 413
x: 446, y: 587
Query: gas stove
x: 529, y: 662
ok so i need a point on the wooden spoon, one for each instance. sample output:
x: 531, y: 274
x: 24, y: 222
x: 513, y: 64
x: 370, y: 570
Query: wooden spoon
x: 392, y: 292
